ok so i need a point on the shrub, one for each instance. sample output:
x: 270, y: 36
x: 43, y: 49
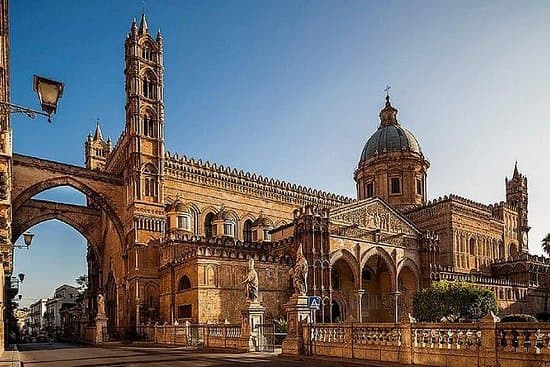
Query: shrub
x: 453, y: 301
x: 543, y: 316
x: 520, y: 317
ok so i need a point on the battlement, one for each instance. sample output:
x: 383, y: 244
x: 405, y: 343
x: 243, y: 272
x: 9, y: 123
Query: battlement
x: 188, y: 246
x: 250, y: 183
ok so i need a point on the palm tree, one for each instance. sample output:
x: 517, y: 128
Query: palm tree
x: 546, y: 244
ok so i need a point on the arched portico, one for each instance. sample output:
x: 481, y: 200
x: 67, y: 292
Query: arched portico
x: 378, y: 274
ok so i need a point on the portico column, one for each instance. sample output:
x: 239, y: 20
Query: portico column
x: 396, y: 294
x: 360, y: 293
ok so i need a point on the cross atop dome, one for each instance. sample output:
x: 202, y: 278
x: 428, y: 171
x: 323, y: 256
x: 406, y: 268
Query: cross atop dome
x: 388, y: 115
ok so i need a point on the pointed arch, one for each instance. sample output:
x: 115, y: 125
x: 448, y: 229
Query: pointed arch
x: 412, y: 266
x: 380, y: 252
x: 93, y: 196
x: 347, y: 257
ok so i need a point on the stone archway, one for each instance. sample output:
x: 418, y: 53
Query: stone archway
x: 344, y: 289
x: 98, y: 221
x: 408, y: 282
x: 96, y: 199
x: 378, y: 280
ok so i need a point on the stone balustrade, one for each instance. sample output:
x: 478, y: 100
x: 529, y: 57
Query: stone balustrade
x: 208, y: 336
x: 457, y: 336
x: 524, y: 338
x: 487, y: 343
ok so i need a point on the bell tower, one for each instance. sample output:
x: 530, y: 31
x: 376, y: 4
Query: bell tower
x: 143, y: 138
x: 516, y: 195
x: 144, y: 112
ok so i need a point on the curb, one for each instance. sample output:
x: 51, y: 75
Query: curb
x: 11, y: 357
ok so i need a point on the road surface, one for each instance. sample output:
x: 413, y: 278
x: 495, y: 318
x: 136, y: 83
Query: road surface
x: 61, y: 355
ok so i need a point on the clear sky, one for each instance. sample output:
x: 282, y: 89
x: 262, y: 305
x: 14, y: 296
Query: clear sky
x: 292, y: 90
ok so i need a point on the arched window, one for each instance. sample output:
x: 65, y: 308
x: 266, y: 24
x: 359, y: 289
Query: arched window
x: 208, y: 224
x: 150, y: 181
x: 149, y: 86
x: 247, y: 231
x: 184, y: 283
x: 513, y: 249
x: 184, y: 221
x: 472, y: 246
x: 229, y: 228
x: 147, y: 53
x: 149, y: 126
x: 335, y: 279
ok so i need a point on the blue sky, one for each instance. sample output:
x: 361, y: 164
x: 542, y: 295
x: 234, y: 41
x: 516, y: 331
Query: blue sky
x: 292, y: 90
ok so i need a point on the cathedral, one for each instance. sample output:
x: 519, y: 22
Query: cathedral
x: 188, y: 227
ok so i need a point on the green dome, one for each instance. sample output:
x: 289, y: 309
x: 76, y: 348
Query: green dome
x: 390, y: 136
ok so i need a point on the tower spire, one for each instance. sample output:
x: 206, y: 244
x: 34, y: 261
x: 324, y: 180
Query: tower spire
x: 98, y: 135
x: 516, y: 172
x: 143, y: 24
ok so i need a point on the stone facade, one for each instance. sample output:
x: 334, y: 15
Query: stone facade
x: 169, y: 237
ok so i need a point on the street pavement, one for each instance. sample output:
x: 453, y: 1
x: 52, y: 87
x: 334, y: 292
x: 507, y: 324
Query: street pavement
x: 61, y: 355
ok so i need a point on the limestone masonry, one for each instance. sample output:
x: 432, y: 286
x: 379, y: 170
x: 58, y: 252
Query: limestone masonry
x: 169, y: 236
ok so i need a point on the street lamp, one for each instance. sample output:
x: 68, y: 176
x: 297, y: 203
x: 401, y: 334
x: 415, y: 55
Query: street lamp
x: 21, y: 277
x: 27, y: 237
x: 49, y: 92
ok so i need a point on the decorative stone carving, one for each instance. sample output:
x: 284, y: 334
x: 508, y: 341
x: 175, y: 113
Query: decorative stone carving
x: 100, y: 304
x: 251, y: 283
x: 299, y: 273
x: 371, y: 215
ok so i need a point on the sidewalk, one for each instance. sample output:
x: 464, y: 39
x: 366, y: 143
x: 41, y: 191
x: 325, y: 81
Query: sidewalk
x: 10, y: 358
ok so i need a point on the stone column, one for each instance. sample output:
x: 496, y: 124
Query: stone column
x: 405, y: 351
x: 488, y: 349
x: 360, y: 293
x: 297, y: 311
x: 252, y: 316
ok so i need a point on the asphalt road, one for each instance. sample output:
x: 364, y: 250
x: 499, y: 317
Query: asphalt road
x: 61, y: 355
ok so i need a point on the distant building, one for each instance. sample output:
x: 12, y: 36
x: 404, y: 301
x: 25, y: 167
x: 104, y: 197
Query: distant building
x: 36, y: 320
x: 64, y: 297
x: 22, y: 316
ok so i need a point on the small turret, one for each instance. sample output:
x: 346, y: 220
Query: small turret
x: 96, y: 149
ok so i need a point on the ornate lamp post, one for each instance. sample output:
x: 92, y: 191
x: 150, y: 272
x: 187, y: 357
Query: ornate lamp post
x: 49, y: 92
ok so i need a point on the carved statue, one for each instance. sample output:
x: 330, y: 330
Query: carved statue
x: 100, y: 304
x: 251, y: 283
x: 299, y: 273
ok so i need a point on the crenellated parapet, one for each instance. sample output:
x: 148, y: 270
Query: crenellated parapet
x: 436, y: 206
x: 189, y: 169
x: 179, y: 246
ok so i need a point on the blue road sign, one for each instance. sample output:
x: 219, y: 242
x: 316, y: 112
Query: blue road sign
x: 314, y: 302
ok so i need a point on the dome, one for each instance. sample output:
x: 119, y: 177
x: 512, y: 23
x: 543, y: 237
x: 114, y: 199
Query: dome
x: 390, y: 136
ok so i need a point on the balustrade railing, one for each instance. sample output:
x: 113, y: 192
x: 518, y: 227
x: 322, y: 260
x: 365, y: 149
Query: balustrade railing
x: 447, y: 336
x: 523, y: 337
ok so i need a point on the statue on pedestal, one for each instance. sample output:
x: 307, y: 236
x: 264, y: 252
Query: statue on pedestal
x: 251, y: 283
x: 299, y: 273
x: 100, y: 304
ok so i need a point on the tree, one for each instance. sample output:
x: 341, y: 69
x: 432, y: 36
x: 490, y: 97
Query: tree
x: 82, y: 282
x: 453, y: 301
x: 546, y: 244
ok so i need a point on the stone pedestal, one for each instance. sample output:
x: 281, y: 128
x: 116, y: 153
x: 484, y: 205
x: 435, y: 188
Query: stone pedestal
x: 252, y: 316
x: 100, y: 325
x: 297, y: 313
